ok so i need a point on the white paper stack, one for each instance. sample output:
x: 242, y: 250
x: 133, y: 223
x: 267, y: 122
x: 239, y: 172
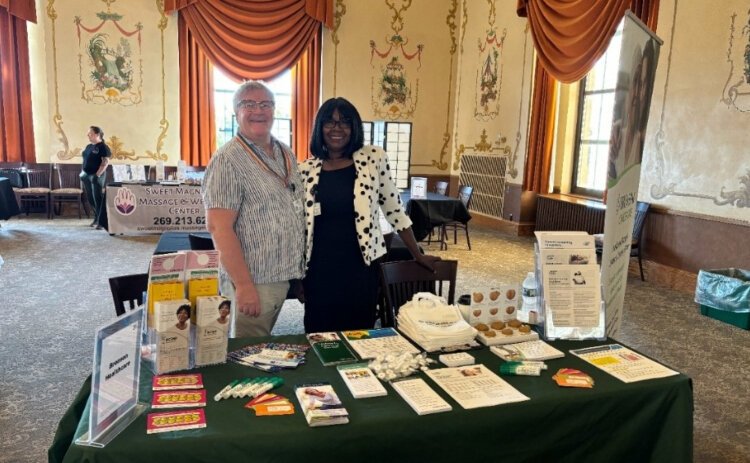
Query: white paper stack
x: 433, y: 324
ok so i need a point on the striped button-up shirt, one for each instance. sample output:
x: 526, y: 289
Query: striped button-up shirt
x: 270, y: 221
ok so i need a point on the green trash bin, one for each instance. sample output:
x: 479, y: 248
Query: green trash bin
x: 725, y: 295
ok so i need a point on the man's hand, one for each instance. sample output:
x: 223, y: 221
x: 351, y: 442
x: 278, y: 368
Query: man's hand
x: 246, y: 300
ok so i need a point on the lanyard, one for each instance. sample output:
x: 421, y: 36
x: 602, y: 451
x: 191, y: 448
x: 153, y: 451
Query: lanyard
x: 250, y: 149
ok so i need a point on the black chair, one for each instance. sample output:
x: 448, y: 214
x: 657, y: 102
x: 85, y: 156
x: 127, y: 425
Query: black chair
x: 641, y: 211
x: 464, y: 195
x: 200, y: 243
x: 128, y: 290
x: 69, y: 189
x: 402, y: 280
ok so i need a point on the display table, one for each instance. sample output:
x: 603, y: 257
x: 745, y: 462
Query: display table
x: 613, y: 422
x: 433, y: 211
x: 152, y: 208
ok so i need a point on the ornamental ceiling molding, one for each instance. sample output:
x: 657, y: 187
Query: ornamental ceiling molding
x: 738, y: 197
x: 119, y: 152
x: 395, y: 92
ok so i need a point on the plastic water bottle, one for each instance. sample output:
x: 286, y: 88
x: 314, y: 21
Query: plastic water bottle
x: 529, y: 290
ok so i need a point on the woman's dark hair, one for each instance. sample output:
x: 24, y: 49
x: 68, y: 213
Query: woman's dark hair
x: 225, y: 303
x: 325, y: 114
x: 183, y: 308
x: 97, y: 131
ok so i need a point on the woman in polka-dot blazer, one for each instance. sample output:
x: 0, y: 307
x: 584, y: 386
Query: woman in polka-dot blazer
x: 346, y: 186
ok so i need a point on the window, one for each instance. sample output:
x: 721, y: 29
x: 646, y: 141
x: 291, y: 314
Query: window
x: 395, y: 139
x: 595, y: 107
x: 226, y: 121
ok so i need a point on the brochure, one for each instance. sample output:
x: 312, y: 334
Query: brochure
x: 174, y: 382
x: 175, y: 421
x: 564, y: 240
x: 212, y: 319
x: 361, y: 381
x: 321, y: 405
x: 330, y: 348
x: 420, y: 396
x: 573, y: 294
x: 475, y: 386
x: 530, y: 350
x: 622, y: 363
x: 383, y: 341
x: 179, y: 399
x: 251, y: 356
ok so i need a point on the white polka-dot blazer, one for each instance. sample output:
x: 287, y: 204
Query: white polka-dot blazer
x: 373, y: 189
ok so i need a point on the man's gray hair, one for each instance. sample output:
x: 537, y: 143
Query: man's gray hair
x: 250, y: 85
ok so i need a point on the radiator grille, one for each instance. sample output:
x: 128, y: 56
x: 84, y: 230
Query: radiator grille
x: 556, y: 215
x: 486, y: 173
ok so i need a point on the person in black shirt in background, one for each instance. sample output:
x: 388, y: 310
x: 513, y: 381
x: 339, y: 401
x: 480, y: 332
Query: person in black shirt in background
x: 94, y: 168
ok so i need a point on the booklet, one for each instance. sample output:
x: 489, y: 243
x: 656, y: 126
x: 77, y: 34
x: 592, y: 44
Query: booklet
x: 420, y: 396
x: 179, y: 399
x: 622, y: 363
x: 174, y: 382
x: 320, y: 404
x: 530, y: 350
x: 175, y: 421
x: 330, y: 348
x: 264, y: 356
x: 383, y: 341
x: 361, y: 381
x: 475, y: 386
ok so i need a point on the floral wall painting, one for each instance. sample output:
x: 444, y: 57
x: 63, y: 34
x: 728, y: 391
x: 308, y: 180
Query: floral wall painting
x: 736, y: 93
x: 490, y: 71
x: 395, y: 90
x: 109, y: 60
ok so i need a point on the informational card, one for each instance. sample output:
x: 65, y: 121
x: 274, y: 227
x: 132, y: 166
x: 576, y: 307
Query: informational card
x: 475, y: 386
x: 175, y: 421
x: 573, y: 294
x: 418, y: 188
x: 369, y: 344
x: 179, y: 399
x: 494, y: 304
x: 201, y: 264
x: 420, y: 396
x: 622, y: 363
x: 176, y: 382
x: 361, y: 381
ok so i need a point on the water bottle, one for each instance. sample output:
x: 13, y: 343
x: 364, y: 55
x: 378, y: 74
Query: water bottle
x: 529, y: 290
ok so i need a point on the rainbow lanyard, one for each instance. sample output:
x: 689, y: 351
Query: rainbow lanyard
x: 250, y: 149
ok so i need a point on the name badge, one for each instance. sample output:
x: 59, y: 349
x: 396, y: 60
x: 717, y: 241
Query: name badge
x: 316, y: 210
x: 297, y: 204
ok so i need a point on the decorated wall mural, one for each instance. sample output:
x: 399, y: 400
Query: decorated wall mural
x: 110, y: 63
x: 395, y: 87
x: 450, y: 21
x: 490, y: 70
x: 692, y: 127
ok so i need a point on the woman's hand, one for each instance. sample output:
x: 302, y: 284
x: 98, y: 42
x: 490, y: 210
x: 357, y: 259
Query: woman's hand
x: 427, y: 261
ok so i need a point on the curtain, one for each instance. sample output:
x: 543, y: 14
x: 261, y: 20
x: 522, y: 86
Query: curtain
x: 305, y: 96
x: 16, y: 122
x: 197, y: 114
x: 569, y: 37
x: 248, y: 40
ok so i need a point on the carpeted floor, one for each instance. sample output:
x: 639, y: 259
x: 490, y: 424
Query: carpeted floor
x: 54, y: 293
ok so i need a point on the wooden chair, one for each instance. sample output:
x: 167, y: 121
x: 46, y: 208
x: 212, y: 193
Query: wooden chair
x: 36, y: 194
x: 128, y: 290
x: 402, y: 280
x: 464, y: 195
x: 69, y: 189
x: 641, y: 211
x: 200, y: 243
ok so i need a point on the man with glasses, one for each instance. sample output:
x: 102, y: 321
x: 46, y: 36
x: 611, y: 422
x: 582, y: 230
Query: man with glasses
x: 253, y: 199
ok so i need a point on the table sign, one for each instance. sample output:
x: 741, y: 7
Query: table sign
x: 418, y: 187
x: 113, y: 403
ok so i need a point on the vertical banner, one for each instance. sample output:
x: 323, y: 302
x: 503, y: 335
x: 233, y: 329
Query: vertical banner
x: 639, y: 54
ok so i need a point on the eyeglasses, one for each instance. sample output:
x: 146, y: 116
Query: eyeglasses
x: 343, y: 124
x: 251, y: 105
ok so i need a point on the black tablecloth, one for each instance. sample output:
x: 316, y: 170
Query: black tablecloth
x: 647, y: 421
x: 8, y: 203
x: 433, y: 211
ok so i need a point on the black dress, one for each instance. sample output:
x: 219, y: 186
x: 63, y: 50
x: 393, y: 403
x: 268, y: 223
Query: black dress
x: 340, y: 290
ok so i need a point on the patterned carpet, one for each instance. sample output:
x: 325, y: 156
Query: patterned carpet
x: 54, y: 293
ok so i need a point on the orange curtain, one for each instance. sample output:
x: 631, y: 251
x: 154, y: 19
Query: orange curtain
x: 197, y: 114
x: 16, y: 122
x: 253, y: 40
x: 569, y: 37
x: 305, y: 96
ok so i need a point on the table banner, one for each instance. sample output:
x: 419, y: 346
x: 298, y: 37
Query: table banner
x: 155, y: 209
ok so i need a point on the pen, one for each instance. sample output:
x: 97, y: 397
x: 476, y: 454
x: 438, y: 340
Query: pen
x: 227, y: 388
